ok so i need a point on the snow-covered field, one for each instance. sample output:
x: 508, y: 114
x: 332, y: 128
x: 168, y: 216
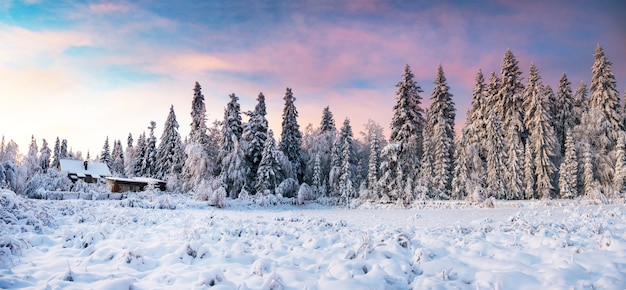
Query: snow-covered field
x: 77, y: 244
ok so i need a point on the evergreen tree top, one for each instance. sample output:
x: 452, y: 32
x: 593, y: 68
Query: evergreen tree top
x: 328, y: 122
x: 260, y: 107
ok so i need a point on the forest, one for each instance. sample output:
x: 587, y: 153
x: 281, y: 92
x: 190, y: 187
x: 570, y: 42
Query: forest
x: 522, y: 139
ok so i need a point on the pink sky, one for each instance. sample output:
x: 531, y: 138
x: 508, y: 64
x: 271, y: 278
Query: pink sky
x: 85, y: 71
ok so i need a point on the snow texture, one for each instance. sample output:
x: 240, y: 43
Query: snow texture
x: 146, y: 244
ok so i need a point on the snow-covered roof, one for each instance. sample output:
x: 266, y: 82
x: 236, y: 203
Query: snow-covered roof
x: 95, y: 169
x: 137, y: 179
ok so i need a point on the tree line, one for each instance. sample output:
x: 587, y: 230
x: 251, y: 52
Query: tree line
x: 520, y: 141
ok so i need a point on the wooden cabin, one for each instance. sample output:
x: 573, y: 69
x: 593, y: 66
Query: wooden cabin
x: 119, y: 184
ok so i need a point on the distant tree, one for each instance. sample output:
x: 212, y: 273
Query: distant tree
x: 404, y: 151
x: 63, y: 149
x: 117, y: 154
x: 509, y: 105
x: 619, y: 177
x: 129, y: 157
x: 170, y: 156
x: 268, y: 173
x: 564, y: 117
x: 44, y: 156
x: 515, y: 172
x: 496, y: 158
x: 57, y: 154
x: 373, y: 173
x: 568, y: 177
x: 588, y: 179
x: 255, y: 134
x: 346, y: 186
x: 31, y: 162
x: 328, y: 122
x: 461, y: 176
x: 140, y: 156
x: 11, y: 152
x: 291, y: 137
x: 198, y: 130
x: 443, y: 115
x: 604, y: 95
x: 541, y: 134
x: 476, y: 123
x: 105, y: 155
x: 148, y: 167
x: 199, y: 149
x: 581, y: 103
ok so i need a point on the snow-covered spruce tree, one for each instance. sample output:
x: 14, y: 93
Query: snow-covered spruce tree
x: 515, y: 173
x: 496, y: 158
x: 405, y: 139
x: 443, y: 115
x: 44, y: 156
x: 346, y: 186
x: 492, y: 99
x: 11, y: 152
x: 509, y: 105
x: 198, y: 133
x: 334, y: 175
x: 2, y: 149
x: 619, y: 177
x: 31, y: 162
x: 117, y: 156
x: 426, y: 164
x: 129, y: 157
x: 105, y: 154
x: 268, y: 173
x: 291, y: 137
x: 442, y: 161
x: 588, y: 180
x: 196, y: 167
x: 581, y: 103
x: 563, y: 119
x: 541, y: 134
x: 461, y: 169
x: 319, y: 142
x: 232, y: 128
x: 148, y: 167
x: 568, y: 172
x: 233, y: 166
x: 346, y: 138
x: 56, y: 156
x: 235, y: 170
x: 476, y: 122
x: 140, y: 155
x: 604, y: 95
x: 170, y: 156
x: 255, y: 134
x: 373, y: 173
x: 63, y: 153
x: 317, y: 179
x: 328, y: 122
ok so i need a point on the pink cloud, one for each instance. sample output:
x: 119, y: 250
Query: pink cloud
x: 108, y: 7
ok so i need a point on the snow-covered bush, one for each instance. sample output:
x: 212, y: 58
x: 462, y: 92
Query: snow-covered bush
x: 42, y: 183
x: 287, y: 188
x: 305, y: 193
x: 9, y: 177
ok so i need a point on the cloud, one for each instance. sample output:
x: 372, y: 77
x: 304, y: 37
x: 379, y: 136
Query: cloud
x: 108, y: 7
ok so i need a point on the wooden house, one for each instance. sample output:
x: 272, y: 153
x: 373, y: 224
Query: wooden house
x: 119, y: 184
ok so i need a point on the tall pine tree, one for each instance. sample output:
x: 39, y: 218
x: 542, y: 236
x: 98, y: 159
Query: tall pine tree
x: 291, y: 137
x: 171, y: 153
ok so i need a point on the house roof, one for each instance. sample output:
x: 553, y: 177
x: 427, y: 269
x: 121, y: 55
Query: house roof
x: 77, y: 167
x: 141, y: 180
